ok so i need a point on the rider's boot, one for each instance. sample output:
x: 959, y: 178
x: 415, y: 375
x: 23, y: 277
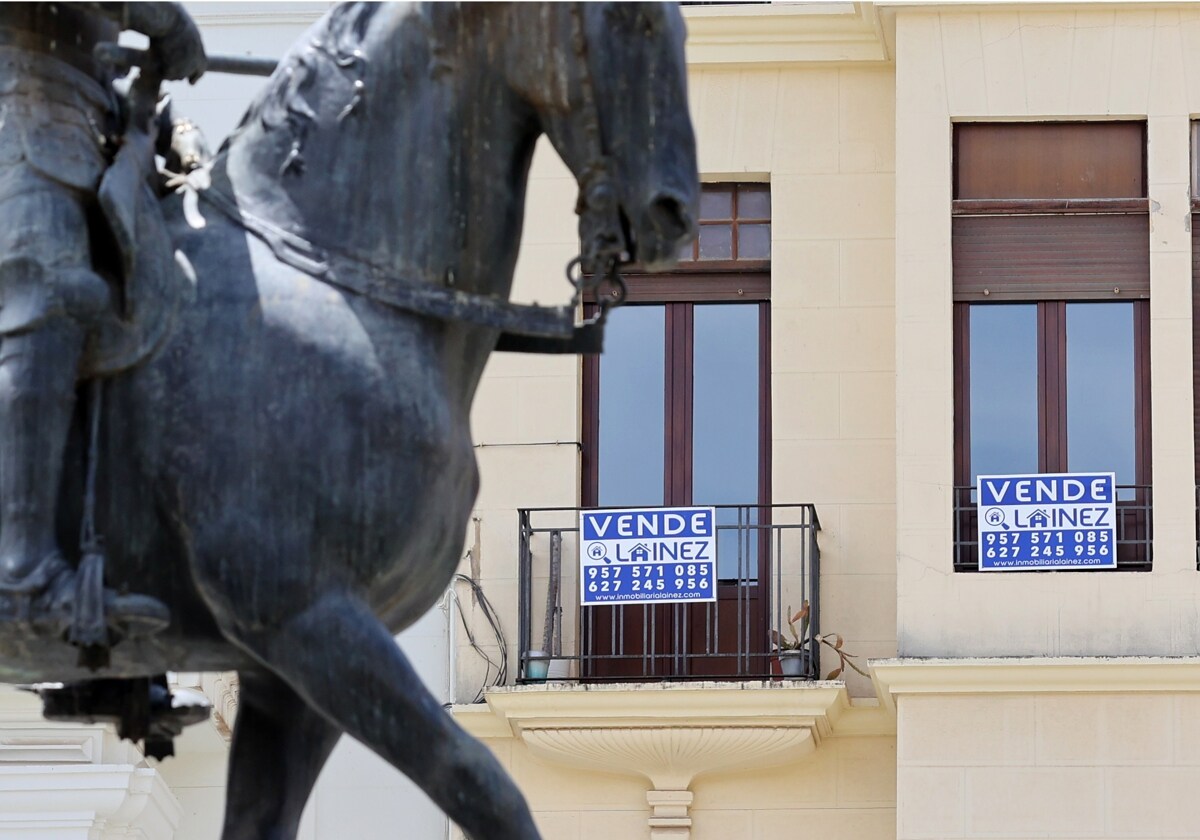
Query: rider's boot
x: 38, y: 370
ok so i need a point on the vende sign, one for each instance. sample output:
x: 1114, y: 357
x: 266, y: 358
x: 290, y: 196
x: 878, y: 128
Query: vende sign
x: 1047, y: 521
x: 647, y: 556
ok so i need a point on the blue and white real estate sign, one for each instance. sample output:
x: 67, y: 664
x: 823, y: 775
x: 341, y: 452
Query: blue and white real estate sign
x: 650, y: 556
x: 1047, y: 521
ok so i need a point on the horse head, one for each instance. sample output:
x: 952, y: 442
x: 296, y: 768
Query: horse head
x: 614, y: 104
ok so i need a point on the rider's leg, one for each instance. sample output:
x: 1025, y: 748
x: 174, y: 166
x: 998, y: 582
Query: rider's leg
x: 49, y: 295
x: 37, y: 398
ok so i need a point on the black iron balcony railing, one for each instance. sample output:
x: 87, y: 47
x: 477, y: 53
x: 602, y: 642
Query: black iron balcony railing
x: 1135, y: 529
x: 768, y: 565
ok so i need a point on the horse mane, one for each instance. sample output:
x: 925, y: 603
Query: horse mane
x: 335, y: 41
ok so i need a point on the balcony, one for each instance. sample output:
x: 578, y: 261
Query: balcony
x: 1135, y: 529
x: 768, y: 564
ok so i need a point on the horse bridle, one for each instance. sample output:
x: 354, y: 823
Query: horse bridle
x: 524, y: 328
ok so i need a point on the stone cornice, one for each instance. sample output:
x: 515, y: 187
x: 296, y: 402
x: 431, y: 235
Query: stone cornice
x: 816, y: 705
x: 895, y: 677
x: 764, y: 35
x: 115, y: 799
x: 823, y: 704
x: 76, y: 780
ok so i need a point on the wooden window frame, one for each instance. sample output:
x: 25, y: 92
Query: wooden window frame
x: 680, y: 290
x: 1050, y: 250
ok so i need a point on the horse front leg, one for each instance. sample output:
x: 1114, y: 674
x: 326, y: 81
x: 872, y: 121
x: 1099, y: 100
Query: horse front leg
x: 279, y: 748
x: 344, y: 663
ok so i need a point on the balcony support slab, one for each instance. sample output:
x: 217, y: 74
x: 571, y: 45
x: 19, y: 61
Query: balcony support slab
x: 670, y: 733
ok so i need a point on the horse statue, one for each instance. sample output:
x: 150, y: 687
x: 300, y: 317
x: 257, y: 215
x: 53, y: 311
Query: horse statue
x: 291, y: 470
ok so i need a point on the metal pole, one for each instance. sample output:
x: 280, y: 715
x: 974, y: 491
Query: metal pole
x: 242, y: 65
x: 124, y: 58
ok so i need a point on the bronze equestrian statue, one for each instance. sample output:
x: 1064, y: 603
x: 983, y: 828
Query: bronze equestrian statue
x: 272, y: 435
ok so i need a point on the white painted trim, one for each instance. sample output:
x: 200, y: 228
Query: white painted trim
x: 784, y: 33
x: 1034, y: 675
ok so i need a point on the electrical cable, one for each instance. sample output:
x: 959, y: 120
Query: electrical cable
x: 489, y: 613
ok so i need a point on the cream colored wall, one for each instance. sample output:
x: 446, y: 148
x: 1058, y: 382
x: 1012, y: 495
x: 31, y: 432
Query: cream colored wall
x: 533, y: 402
x: 1058, y: 64
x: 832, y: 315
x: 823, y: 139
x: 1048, y: 765
x: 846, y: 790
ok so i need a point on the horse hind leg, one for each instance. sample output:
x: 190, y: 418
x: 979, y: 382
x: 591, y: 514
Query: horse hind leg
x: 346, y: 665
x: 279, y: 748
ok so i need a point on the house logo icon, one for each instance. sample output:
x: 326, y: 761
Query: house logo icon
x: 1039, y: 519
x: 994, y: 517
x: 640, y: 553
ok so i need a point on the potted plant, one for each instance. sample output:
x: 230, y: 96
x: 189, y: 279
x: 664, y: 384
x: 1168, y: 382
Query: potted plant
x: 795, y: 654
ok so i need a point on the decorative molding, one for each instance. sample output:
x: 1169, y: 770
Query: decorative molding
x: 670, y: 733
x: 1034, y: 675
x: 222, y: 691
x: 757, y: 35
x: 669, y: 817
x: 670, y: 756
x: 93, y: 802
x: 817, y: 705
x: 33, y: 746
x: 76, y: 781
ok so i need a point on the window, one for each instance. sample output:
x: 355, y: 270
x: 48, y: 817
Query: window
x: 1051, y: 314
x: 677, y: 412
x: 1196, y: 317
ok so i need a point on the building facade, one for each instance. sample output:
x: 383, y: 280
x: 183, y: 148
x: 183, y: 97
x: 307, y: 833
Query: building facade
x: 937, y: 241
x: 980, y: 262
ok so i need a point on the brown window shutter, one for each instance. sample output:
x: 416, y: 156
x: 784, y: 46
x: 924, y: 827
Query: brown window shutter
x: 1050, y: 160
x: 1063, y: 257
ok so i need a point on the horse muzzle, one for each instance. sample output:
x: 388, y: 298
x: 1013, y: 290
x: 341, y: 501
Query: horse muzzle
x: 668, y: 226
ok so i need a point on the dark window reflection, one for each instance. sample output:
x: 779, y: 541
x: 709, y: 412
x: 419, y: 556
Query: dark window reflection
x: 1004, y: 382
x: 725, y: 423
x: 632, y: 387
x: 1100, y: 392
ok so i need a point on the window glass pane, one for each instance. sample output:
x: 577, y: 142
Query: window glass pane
x: 1004, y: 378
x: 725, y: 424
x: 754, y: 242
x: 716, y: 242
x: 1100, y: 404
x: 632, y: 383
x: 754, y: 203
x: 716, y: 202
